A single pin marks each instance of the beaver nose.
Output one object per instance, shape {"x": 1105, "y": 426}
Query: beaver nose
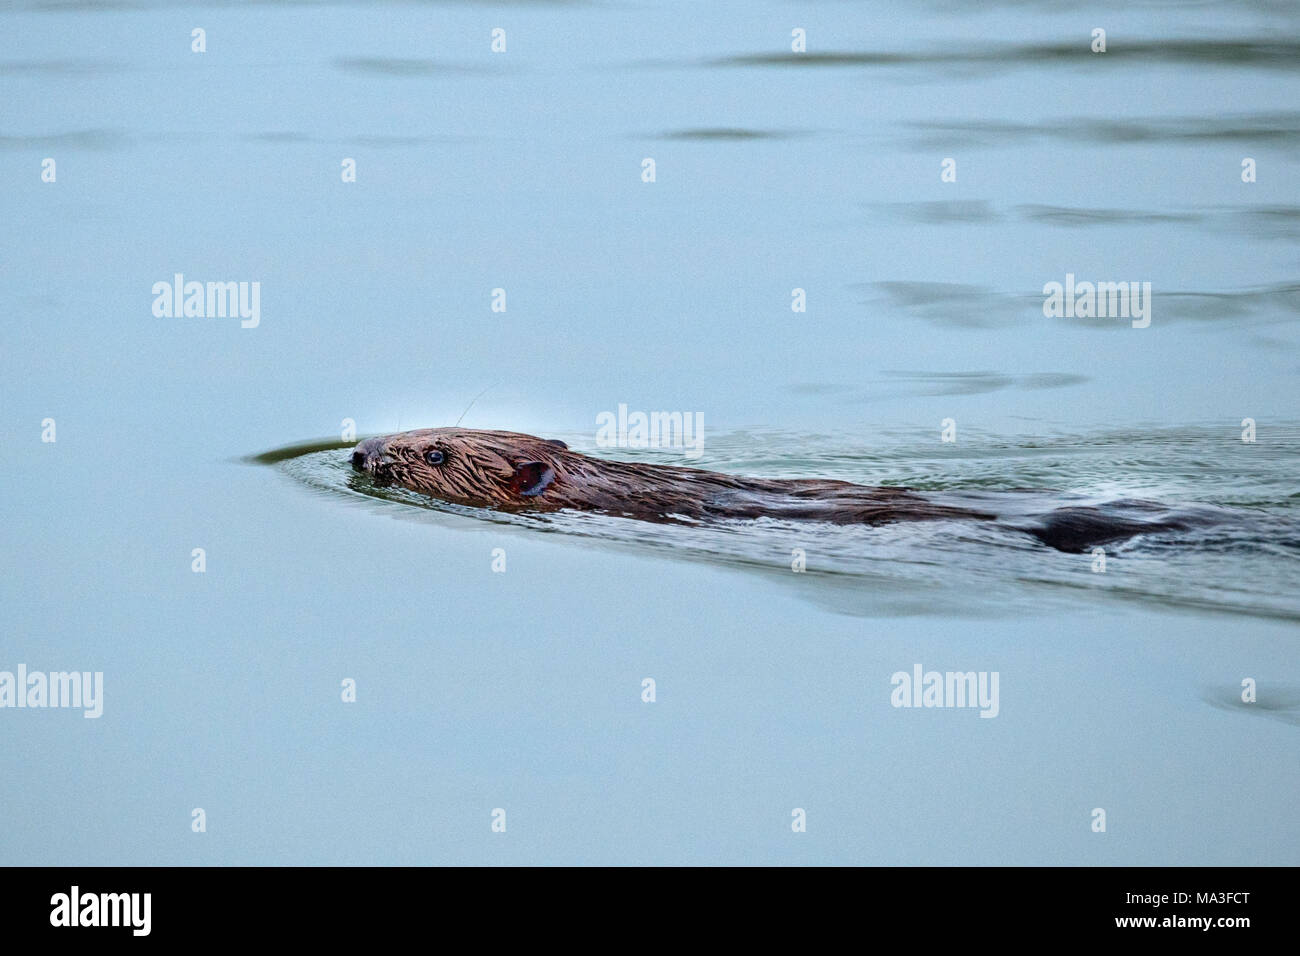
{"x": 366, "y": 453}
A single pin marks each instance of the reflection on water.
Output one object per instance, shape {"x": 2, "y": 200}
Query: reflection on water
{"x": 1246, "y": 128}
{"x": 894, "y": 382}
{"x": 977, "y": 383}
{"x": 725, "y": 134}
{"x": 395, "y": 66}
{"x": 1242, "y": 553}
{"x": 955, "y": 304}
{"x": 92, "y": 139}
{"x": 937, "y": 212}
{"x": 958, "y": 305}
{"x": 1268, "y": 222}
{"x": 1070, "y": 216}
{"x": 1279, "y": 303}
{"x": 1280, "y": 702}
{"x": 1260, "y": 222}
{"x": 1252, "y": 54}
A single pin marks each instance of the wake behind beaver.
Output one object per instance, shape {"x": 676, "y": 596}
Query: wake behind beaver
{"x": 510, "y": 471}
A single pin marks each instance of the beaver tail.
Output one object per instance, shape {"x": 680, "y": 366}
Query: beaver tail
{"x": 1075, "y": 530}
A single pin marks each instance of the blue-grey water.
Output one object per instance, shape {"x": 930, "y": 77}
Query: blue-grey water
{"x": 522, "y": 170}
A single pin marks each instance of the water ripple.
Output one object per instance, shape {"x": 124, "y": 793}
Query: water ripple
{"x": 1245, "y": 560}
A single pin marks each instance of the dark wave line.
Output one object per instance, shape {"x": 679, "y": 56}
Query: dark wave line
{"x": 1245, "y": 53}
{"x": 955, "y": 305}
{"x": 1251, "y": 128}
{"x": 1267, "y": 222}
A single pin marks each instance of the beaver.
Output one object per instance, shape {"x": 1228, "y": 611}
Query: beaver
{"x": 510, "y": 471}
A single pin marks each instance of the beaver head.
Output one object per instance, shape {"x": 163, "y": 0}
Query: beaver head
{"x": 464, "y": 465}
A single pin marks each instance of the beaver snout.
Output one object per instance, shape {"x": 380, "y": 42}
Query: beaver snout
{"x": 369, "y": 457}
{"x": 365, "y": 452}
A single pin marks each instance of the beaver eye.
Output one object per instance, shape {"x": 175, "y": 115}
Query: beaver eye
{"x": 434, "y": 457}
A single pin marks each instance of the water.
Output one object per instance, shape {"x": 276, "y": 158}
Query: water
{"x": 1241, "y": 553}
{"x": 522, "y": 171}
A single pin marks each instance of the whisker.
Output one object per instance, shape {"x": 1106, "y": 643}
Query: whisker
{"x": 471, "y": 405}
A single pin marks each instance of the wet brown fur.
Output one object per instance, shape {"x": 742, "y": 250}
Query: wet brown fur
{"x": 493, "y": 469}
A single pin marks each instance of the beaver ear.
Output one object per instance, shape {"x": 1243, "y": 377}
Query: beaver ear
{"x": 556, "y": 442}
{"x": 531, "y": 478}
